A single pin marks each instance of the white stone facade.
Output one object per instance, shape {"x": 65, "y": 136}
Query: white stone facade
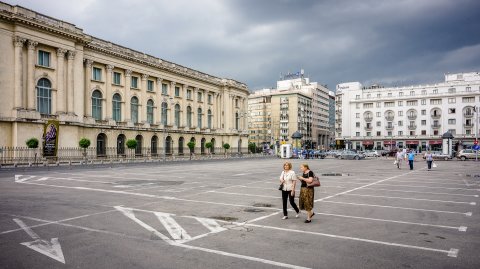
{"x": 51, "y": 69}
{"x": 410, "y": 116}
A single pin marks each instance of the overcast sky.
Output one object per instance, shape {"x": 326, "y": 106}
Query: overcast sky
{"x": 398, "y": 42}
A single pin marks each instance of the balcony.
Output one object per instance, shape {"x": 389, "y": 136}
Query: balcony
{"x": 436, "y": 126}
{"x": 389, "y": 117}
{"x": 412, "y": 127}
{"x": 389, "y": 127}
{"x": 368, "y": 119}
{"x": 468, "y": 125}
{"x": 368, "y": 128}
{"x": 468, "y": 115}
{"x": 412, "y": 117}
{"x": 436, "y": 116}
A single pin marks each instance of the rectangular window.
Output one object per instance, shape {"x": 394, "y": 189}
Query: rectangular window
{"x": 412, "y": 133}
{"x": 357, "y": 134}
{"x": 379, "y": 95}
{"x": 424, "y": 112}
{"x": 412, "y": 93}
{"x": 389, "y": 104}
{"x": 150, "y": 85}
{"x": 452, "y": 131}
{"x": 435, "y": 91}
{"x": 134, "y": 82}
{"x": 43, "y": 58}
{"x": 424, "y": 122}
{"x": 451, "y": 100}
{"x": 189, "y": 94}
{"x": 379, "y": 104}
{"x": 379, "y": 123}
{"x": 424, "y": 92}
{"x": 379, "y": 133}
{"x": 389, "y": 94}
{"x": 424, "y": 101}
{"x": 199, "y": 97}
{"x": 400, "y": 113}
{"x": 400, "y": 133}
{"x": 451, "y": 121}
{"x": 468, "y": 89}
{"x": 177, "y": 91}
{"x": 357, "y": 105}
{"x": 357, "y": 115}
{"x": 400, "y": 103}
{"x": 357, "y": 97}
{"x": 116, "y": 78}
{"x": 412, "y": 103}
{"x": 368, "y": 105}
{"x": 424, "y": 132}
{"x": 389, "y": 133}
{"x": 209, "y": 99}
{"x": 357, "y": 124}
{"x": 451, "y": 111}
{"x": 369, "y": 133}
{"x": 436, "y": 101}
{"x": 400, "y": 123}
{"x": 400, "y": 94}
{"x": 452, "y": 90}
{"x": 379, "y": 114}
{"x": 164, "y": 89}
{"x": 97, "y": 74}
{"x": 468, "y": 99}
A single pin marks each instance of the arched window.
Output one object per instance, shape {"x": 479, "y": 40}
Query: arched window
{"x": 239, "y": 145}
{"x": 168, "y": 145}
{"x": 189, "y": 117}
{"x": 121, "y": 144}
{"x": 101, "y": 145}
{"x": 192, "y": 140}
{"x": 154, "y": 145}
{"x": 199, "y": 123}
{"x": 134, "y": 109}
{"x": 237, "y": 120}
{"x": 117, "y": 107}
{"x": 164, "y": 113}
{"x": 138, "y": 149}
{"x": 209, "y": 119}
{"x": 177, "y": 115}
{"x": 202, "y": 146}
{"x": 181, "y": 140}
{"x": 150, "y": 111}
{"x": 44, "y": 96}
{"x": 97, "y": 105}
{"x": 213, "y": 146}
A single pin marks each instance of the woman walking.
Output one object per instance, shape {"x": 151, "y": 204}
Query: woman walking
{"x": 429, "y": 159}
{"x": 288, "y": 181}
{"x": 398, "y": 158}
{"x": 306, "y": 193}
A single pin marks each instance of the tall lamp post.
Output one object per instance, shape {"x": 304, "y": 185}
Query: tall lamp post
{"x": 165, "y": 120}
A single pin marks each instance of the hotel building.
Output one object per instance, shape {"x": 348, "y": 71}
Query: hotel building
{"x": 407, "y": 117}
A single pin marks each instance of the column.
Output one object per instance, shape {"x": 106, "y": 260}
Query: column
{"x": 108, "y": 92}
{"x": 158, "y": 102}
{"x": 245, "y": 113}
{"x": 126, "y": 94}
{"x": 143, "y": 95}
{"x": 195, "y": 108}
{"x": 170, "y": 104}
{"x": 70, "y": 96}
{"x": 18, "y": 81}
{"x": 31, "y": 75}
{"x": 183, "y": 107}
{"x": 88, "y": 88}
{"x": 61, "y": 102}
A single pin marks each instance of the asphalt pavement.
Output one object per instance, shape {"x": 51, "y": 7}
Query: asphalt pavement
{"x": 227, "y": 214}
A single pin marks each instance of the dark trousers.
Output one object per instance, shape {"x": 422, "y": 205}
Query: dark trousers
{"x": 410, "y": 162}
{"x": 429, "y": 163}
{"x": 286, "y": 195}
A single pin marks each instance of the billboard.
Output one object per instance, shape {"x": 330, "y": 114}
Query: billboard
{"x": 50, "y": 138}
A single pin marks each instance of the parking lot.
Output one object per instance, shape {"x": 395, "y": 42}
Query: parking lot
{"x": 227, "y": 214}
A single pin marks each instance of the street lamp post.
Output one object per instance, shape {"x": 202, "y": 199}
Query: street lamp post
{"x": 170, "y": 99}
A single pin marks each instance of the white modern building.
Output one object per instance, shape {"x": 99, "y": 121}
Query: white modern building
{"x": 409, "y": 116}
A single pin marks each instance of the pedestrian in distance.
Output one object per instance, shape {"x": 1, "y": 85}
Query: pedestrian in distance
{"x": 411, "y": 158}
{"x": 398, "y": 158}
{"x": 429, "y": 159}
{"x": 288, "y": 180}
{"x": 306, "y": 192}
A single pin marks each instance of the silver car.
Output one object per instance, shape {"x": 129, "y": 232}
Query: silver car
{"x": 351, "y": 155}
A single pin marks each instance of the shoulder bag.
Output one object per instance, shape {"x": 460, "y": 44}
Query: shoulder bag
{"x": 315, "y": 182}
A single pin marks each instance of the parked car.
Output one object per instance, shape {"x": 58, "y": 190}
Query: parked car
{"x": 389, "y": 153}
{"x": 351, "y": 155}
{"x": 466, "y": 154}
{"x": 441, "y": 156}
{"x": 371, "y": 153}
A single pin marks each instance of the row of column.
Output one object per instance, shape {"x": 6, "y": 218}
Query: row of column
{"x": 25, "y": 96}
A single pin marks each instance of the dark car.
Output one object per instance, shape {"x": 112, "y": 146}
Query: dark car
{"x": 389, "y": 153}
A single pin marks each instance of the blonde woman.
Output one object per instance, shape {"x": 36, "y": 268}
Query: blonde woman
{"x": 288, "y": 180}
{"x": 306, "y": 193}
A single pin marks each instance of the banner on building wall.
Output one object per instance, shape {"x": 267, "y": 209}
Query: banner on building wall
{"x": 50, "y": 138}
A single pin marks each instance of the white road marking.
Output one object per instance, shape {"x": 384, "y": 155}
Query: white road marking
{"x": 407, "y": 198}
{"x": 243, "y": 174}
{"x": 245, "y": 194}
{"x": 429, "y": 187}
{"x": 22, "y": 178}
{"x": 173, "y": 228}
{"x": 211, "y": 224}
{"x": 405, "y": 208}
{"x": 424, "y": 192}
{"x": 50, "y": 249}
{"x": 361, "y": 187}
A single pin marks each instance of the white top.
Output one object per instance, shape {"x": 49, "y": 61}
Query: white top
{"x": 399, "y": 155}
{"x": 289, "y": 178}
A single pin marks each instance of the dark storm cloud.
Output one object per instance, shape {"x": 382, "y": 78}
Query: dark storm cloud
{"x": 387, "y": 42}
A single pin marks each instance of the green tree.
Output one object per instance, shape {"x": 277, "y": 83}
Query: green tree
{"x": 226, "y": 146}
{"x": 131, "y": 143}
{"x": 32, "y": 143}
{"x": 84, "y": 143}
{"x": 252, "y": 147}
{"x": 209, "y": 146}
{"x": 191, "y": 146}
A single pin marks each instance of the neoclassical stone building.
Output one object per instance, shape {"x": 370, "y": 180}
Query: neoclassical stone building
{"x": 51, "y": 69}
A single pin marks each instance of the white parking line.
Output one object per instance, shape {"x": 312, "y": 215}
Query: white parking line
{"x": 423, "y": 192}
{"x": 246, "y": 194}
{"x": 429, "y": 187}
{"x": 469, "y": 214}
{"x": 415, "y": 199}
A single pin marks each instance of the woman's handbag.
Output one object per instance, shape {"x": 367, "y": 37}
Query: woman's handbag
{"x": 434, "y": 165}
{"x": 315, "y": 182}
{"x": 281, "y": 187}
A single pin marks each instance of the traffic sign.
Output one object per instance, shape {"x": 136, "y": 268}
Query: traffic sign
{"x": 476, "y": 147}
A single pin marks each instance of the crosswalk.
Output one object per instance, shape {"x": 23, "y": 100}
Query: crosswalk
{"x": 176, "y": 233}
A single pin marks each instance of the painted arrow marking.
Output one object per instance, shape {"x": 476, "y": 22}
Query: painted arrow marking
{"x": 51, "y": 249}
{"x": 22, "y": 178}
